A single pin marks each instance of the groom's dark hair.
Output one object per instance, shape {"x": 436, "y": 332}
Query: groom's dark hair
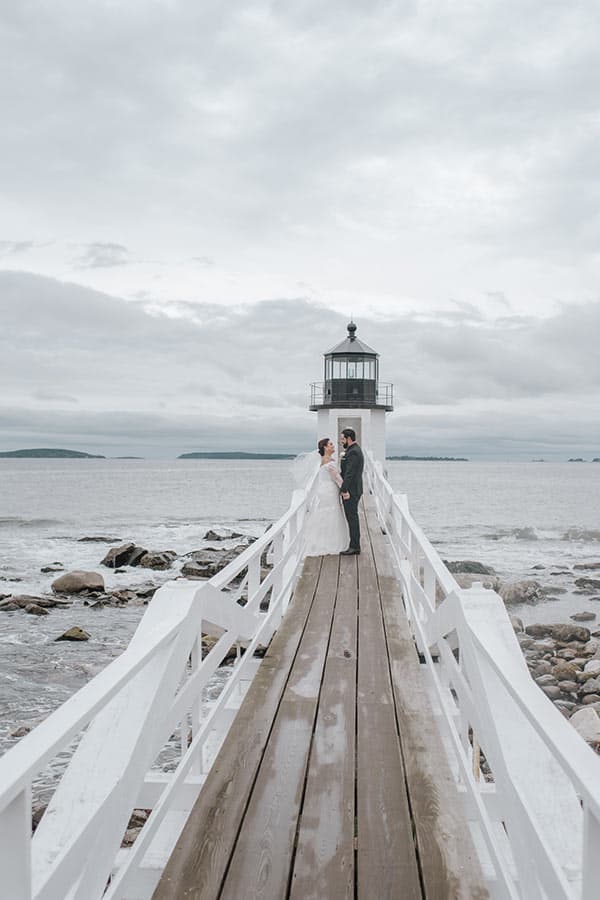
{"x": 349, "y": 432}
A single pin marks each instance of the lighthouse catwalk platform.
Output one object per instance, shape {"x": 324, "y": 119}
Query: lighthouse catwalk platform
{"x": 378, "y": 736}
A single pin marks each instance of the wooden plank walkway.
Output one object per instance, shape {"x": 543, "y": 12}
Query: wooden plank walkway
{"x": 332, "y": 783}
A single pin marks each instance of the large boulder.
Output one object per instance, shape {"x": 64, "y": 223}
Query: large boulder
{"x": 76, "y": 582}
{"x": 128, "y": 554}
{"x": 163, "y": 560}
{"x": 522, "y": 592}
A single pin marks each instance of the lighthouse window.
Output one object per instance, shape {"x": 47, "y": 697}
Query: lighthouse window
{"x": 337, "y": 368}
{"x": 328, "y": 369}
{"x": 352, "y": 370}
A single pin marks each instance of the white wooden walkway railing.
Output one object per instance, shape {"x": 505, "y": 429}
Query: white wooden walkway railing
{"x": 536, "y": 818}
{"x": 124, "y": 717}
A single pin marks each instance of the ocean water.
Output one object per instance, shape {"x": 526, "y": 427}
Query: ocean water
{"x": 512, "y": 516}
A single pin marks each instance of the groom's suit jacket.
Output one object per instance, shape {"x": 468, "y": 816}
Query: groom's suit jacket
{"x": 352, "y": 469}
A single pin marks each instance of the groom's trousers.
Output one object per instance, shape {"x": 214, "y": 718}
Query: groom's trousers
{"x": 351, "y": 511}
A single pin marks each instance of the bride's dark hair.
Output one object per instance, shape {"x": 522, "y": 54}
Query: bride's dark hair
{"x": 321, "y": 446}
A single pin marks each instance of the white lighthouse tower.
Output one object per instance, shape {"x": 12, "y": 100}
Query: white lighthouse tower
{"x": 351, "y": 395}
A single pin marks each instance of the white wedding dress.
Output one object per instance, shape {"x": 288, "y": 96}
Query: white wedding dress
{"x": 327, "y": 528}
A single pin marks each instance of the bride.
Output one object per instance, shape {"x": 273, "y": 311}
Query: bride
{"x": 327, "y": 528}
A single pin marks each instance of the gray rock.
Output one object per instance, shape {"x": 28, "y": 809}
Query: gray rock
{"x": 569, "y": 687}
{"x": 206, "y": 563}
{"x": 127, "y": 554}
{"x": 469, "y": 567}
{"x": 76, "y": 582}
{"x": 592, "y": 686}
{"x": 588, "y": 584}
{"x": 568, "y": 633}
{"x": 222, "y": 535}
{"x": 522, "y": 592}
{"x": 136, "y": 556}
{"x": 583, "y": 617}
{"x": 545, "y": 679}
{"x": 74, "y": 634}
{"x": 590, "y": 699}
{"x": 588, "y": 566}
{"x": 57, "y": 567}
{"x": 160, "y": 561}
{"x": 99, "y": 539}
{"x": 587, "y": 723}
{"x": 552, "y": 691}
{"x": 517, "y": 624}
{"x": 34, "y": 610}
{"x": 565, "y": 671}
{"x": 538, "y": 630}
{"x": 464, "y": 580}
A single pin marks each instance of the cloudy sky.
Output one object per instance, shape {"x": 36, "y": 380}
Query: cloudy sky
{"x": 194, "y": 197}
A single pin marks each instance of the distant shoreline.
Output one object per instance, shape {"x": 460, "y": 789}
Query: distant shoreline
{"x": 236, "y": 455}
{"x": 48, "y": 453}
{"x": 429, "y": 458}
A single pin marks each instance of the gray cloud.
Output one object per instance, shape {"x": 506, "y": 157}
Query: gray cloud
{"x": 197, "y": 376}
{"x": 14, "y": 248}
{"x": 359, "y": 140}
{"x": 100, "y": 255}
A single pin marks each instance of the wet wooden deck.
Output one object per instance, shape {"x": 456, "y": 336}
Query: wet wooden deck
{"x": 332, "y": 782}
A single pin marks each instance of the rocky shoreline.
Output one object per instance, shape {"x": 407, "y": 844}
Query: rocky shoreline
{"x": 89, "y": 586}
{"x": 563, "y": 659}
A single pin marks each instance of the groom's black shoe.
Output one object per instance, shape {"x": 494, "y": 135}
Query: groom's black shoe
{"x": 351, "y": 551}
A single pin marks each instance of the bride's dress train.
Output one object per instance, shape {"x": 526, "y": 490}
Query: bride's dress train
{"x": 327, "y": 528}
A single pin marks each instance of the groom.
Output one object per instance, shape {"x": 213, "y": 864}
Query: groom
{"x": 352, "y": 488}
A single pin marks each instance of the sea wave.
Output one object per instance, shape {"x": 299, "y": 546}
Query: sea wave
{"x": 581, "y": 535}
{"x": 18, "y": 522}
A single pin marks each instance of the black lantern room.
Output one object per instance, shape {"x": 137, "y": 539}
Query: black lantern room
{"x": 351, "y": 378}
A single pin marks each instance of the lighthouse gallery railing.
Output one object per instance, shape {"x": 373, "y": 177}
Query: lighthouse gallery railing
{"x": 535, "y": 813}
{"x": 122, "y": 719}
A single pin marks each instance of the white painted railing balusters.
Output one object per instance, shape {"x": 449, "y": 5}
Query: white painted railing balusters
{"x": 591, "y": 854}
{"x": 153, "y": 690}
{"x": 196, "y": 708}
{"x": 15, "y": 846}
{"x": 543, "y": 841}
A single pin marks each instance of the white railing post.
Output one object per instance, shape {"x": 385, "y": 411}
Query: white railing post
{"x": 591, "y": 855}
{"x": 15, "y": 847}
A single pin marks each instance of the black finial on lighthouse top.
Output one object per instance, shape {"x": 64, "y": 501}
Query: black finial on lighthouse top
{"x": 352, "y": 344}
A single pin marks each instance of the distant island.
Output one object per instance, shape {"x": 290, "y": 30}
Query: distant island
{"x": 48, "y": 453}
{"x": 430, "y": 458}
{"x": 236, "y": 455}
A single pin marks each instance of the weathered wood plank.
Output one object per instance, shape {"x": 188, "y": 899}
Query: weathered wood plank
{"x": 261, "y": 861}
{"x": 450, "y": 868}
{"x": 386, "y": 860}
{"x": 324, "y": 861}
{"x": 200, "y": 858}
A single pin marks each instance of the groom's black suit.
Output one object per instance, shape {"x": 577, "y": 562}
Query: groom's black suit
{"x": 352, "y": 470}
